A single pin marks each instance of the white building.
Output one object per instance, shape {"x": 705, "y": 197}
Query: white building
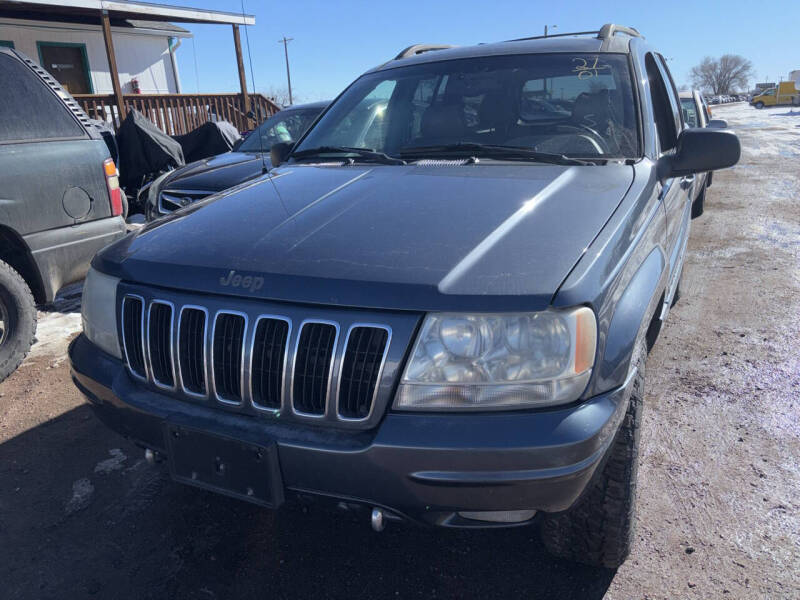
{"x": 795, "y": 76}
{"x": 73, "y": 51}
{"x": 119, "y": 55}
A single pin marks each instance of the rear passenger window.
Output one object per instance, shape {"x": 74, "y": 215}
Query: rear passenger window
{"x": 662, "y": 110}
{"x": 28, "y": 108}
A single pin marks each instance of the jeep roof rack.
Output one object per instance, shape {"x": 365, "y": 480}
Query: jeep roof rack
{"x": 420, "y": 49}
{"x": 606, "y": 32}
{"x": 610, "y": 29}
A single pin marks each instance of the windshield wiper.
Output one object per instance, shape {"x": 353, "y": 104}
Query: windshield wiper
{"x": 367, "y": 153}
{"x": 493, "y": 151}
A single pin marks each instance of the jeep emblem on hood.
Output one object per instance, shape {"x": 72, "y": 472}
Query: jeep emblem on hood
{"x": 246, "y": 282}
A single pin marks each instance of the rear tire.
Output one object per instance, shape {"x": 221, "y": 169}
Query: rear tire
{"x": 17, "y": 320}
{"x": 598, "y": 530}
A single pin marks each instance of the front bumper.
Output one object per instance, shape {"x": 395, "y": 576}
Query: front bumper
{"x": 423, "y": 467}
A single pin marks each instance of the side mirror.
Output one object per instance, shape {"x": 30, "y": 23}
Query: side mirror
{"x": 279, "y": 152}
{"x": 700, "y": 150}
{"x": 717, "y": 124}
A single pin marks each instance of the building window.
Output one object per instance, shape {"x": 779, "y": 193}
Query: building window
{"x": 7, "y": 43}
{"x": 68, "y": 64}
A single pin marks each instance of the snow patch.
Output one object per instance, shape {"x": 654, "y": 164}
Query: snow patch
{"x": 57, "y": 324}
{"x": 765, "y": 132}
{"x": 111, "y": 464}
{"x": 82, "y": 491}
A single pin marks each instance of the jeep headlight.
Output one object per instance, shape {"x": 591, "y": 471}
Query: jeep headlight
{"x": 499, "y": 361}
{"x": 99, "y": 313}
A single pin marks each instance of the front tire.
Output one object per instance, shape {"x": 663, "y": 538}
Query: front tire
{"x": 759, "y": 105}
{"x": 699, "y": 203}
{"x": 598, "y": 530}
{"x": 17, "y": 320}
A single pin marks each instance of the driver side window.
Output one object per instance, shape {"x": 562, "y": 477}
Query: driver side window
{"x": 662, "y": 109}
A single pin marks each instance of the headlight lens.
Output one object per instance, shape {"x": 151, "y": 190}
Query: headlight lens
{"x": 502, "y": 361}
{"x": 98, "y": 311}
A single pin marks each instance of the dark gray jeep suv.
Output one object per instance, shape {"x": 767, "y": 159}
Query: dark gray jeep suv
{"x": 442, "y": 315}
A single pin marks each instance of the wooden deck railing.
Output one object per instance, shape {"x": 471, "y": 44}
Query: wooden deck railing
{"x": 176, "y": 114}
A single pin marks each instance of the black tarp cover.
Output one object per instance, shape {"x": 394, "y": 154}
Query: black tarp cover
{"x": 207, "y": 140}
{"x": 109, "y": 137}
{"x": 144, "y": 150}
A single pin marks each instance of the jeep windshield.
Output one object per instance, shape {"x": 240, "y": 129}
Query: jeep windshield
{"x": 551, "y": 108}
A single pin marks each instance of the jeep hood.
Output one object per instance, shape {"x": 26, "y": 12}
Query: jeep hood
{"x": 215, "y": 173}
{"x": 472, "y": 237}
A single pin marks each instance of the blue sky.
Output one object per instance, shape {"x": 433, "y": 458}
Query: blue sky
{"x": 337, "y": 40}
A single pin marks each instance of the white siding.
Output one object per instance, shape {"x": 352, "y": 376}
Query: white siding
{"x": 144, "y": 56}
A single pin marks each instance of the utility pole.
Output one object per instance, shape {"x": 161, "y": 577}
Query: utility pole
{"x": 285, "y": 41}
{"x": 544, "y": 86}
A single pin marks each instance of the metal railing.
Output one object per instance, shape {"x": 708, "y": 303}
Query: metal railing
{"x": 176, "y": 114}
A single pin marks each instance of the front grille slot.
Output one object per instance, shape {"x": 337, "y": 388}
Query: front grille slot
{"x": 269, "y": 351}
{"x": 363, "y": 359}
{"x": 191, "y": 350}
{"x": 227, "y": 356}
{"x": 132, "y": 312}
{"x": 312, "y": 365}
{"x": 159, "y": 340}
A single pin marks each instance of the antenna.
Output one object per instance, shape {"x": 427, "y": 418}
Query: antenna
{"x": 253, "y": 83}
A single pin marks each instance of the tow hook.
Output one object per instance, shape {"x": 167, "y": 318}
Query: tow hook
{"x": 152, "y": 457}
{"x": 378, "y": 519}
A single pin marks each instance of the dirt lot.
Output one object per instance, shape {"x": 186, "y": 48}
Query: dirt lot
{"x": 82, "y": 515}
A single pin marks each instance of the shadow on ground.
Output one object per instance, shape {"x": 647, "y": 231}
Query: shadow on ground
{"x": 81, "y": 515}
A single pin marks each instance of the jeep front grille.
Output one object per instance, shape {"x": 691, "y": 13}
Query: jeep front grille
{"x": 251, "y": 362}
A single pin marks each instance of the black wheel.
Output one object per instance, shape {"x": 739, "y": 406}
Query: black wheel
{"x": 699, "y": 203}
{"x": 599, "y": 529}
{"x": 759, "y": 105}
{"x": 676, "y": 295}
{"x": 17, "y": 320}
{"x": 709, "y": 179}
{"x": 125, "y": 206}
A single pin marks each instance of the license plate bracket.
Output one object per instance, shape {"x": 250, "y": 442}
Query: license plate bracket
{"x": 233, "y": 467}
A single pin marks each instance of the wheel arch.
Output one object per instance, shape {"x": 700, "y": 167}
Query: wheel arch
{"x": 15, "y": 252}
{"x": 636, "y": 310}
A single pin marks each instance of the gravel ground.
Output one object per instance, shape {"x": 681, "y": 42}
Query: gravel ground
{"x": 82, "y": 515}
